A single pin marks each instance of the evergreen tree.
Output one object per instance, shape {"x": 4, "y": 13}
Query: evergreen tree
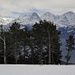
{"x": 15, "y": 30}
{"x": 47, "y": 38}
{"x": 69, "y": 48}
{"x": 25, "y": 35}
{"x": 41, "y": 45}
{"x": 1, "y": 52}
{"x": 3, "y": 39}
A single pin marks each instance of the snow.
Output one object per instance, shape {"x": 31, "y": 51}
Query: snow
{"x": 7, "y": 20}
{"x": 2, "y": 21}
{"x": 48, "y": 16}
{"x": 28, "y": 19}
{"x": 63, "y": 20}
{"x": 70, "y": 31}
{"x": 70, "y": 16}
{"x": 37, "y": 70}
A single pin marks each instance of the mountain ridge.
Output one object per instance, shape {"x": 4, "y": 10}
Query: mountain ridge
{"x": 65, "y": 19}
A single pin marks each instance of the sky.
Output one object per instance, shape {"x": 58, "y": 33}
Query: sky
{"x": 37, "y": 70}
{"x": 13, "y": 8}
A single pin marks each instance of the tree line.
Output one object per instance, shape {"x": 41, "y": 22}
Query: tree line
{"x": 40, "y": 45}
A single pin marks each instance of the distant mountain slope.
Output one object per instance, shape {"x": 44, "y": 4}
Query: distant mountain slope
{"x": 28, "y": 19}
{"x": 63, "y": 20}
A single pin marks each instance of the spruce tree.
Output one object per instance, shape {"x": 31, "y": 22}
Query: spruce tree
{"x": 14, "y": 30}
{"x": 47, "y": 38}
{"x": 25, "y": 35}
{"x": 69, "y": 48}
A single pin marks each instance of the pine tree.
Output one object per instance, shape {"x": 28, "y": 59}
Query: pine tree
{"x": 25, "y": 35}
{"x": 1, "y": 52}
{"x": 14, "y": 30}
{"x": 41, "y": 45}
{"x": 3, "y": 38}
{"x": 47, "y": 38}
{"x": 69, "y": 48}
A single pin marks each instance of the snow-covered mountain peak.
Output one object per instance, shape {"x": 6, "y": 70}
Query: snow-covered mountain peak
{"x": 48, "y": 14}
{"x": 28, "y": 19}
{"x": 69, "y": 13}
{"x": 8, "y": 20}
{"x": 35, "y": 16}
{"x": 70, "y": 17}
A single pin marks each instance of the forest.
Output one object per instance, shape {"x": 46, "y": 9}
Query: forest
{"x": 39, "y": 45}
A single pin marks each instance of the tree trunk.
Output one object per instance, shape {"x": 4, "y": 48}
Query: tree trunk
{"x": 49, "y": 47}
{"x": 15, "y": 50}
{"x": 40, "y": 55}
{"x": 4, "y": 50}
{"x": 52, "y": 58}
{"x": 40, "y": 58}
{"x": 32, "y": 55}
{"x": 68, "y": 58}
{"x": 24, "y": 48}
{"x": 15, "y": 54}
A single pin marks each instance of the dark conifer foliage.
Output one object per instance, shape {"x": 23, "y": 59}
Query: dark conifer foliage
{"x": 69, "y": 47}
{"x": 41, "y": 45}
{"x": 47, "y": 40}
{"x": 1, "y": 52}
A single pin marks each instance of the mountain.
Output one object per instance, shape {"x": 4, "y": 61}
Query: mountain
{"x": 2, "y": 21}
{"x": 7, "y": 20}
{"x": 70, "y": 16}
{"x": 28, "y": 19}
{"x": 64, "y": 20}
{"x": 48, "y": 16}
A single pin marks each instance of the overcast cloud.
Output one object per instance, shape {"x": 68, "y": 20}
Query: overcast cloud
{"x": 15, "y": 7}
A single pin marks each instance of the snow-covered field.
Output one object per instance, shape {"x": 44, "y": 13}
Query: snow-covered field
{"x": 36, "y": 70}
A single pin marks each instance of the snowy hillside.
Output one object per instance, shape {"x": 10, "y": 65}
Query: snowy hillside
{"x": 7, "y": 20}
{"x": 2, "y": 21}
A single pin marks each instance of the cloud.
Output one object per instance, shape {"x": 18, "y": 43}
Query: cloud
{"x": 23, "y": 6}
